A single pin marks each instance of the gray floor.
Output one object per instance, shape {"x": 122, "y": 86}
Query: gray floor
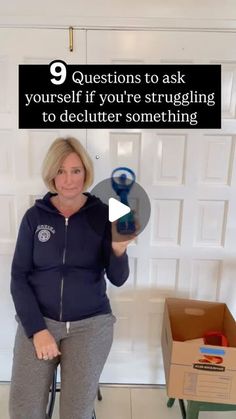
{"x": 127, "y": 403}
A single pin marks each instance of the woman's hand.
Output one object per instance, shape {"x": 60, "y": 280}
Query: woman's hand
{"x": 121, "y": 241}
{"x": 45, "y": 345}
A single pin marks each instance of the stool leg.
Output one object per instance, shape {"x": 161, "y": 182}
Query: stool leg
{"x": 170, "y": 402}
{"x": 52, "y": 396}
{"x": 192, "y": 410}
{"x": 99, "y": 394}
{"x": 182, "y": 408}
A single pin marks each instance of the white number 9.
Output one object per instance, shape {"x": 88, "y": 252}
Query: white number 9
{"x": 58, "y": 69}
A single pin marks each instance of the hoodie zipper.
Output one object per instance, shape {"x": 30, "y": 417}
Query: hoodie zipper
{"x": 63, "y": 262}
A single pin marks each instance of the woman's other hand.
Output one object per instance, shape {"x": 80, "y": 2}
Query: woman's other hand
{"x": 121, "y": 241}
{"x": 45, "y": 345}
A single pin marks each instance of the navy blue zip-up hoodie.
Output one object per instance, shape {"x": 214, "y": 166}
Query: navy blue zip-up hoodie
{"x": 59, "y": 264}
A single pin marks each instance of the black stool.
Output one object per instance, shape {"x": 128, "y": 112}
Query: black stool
{"x": 195, "y": 407}
{"x": 52, "y": 397}
{"x": 181, "y": 405}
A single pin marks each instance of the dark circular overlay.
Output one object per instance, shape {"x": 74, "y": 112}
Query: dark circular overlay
{"x": 139, "y": 203}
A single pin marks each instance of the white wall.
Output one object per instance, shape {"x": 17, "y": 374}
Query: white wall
{"x": 149, "y": 13}
{"x": 213, "y": 9}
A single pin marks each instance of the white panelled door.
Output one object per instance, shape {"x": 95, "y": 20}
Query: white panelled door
{"x": 188, "y": 248}
{"x": 22, "y": 152}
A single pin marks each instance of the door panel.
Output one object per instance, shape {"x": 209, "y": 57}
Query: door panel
{"x": 187, "y": 248}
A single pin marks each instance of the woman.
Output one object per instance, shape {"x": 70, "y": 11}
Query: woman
{"x": 64, "y": 247}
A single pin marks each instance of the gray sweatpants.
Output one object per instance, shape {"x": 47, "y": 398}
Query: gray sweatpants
{"x": 84, "y": 349}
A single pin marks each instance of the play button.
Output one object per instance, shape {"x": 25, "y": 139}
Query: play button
{"x": 117, "y": 209}
{"x": 130, "y": 213}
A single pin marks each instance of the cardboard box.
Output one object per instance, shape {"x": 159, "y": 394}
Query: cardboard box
{"x": 195, "y": 371}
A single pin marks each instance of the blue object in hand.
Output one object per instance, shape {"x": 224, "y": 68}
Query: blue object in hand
{"x": 122, "y": 186}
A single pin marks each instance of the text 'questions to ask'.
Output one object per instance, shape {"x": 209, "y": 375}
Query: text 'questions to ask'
{"x": 119, "y": 96}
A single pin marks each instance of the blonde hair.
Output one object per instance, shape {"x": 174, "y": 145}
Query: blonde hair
{"x": 57, "y": 152}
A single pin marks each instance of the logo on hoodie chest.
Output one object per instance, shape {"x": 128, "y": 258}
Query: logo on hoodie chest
{"x": 44, "y": 232}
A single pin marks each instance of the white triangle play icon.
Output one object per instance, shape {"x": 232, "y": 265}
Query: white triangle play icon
{"x": 117, "y": 209}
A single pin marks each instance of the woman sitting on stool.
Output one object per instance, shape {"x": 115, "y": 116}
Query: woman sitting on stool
{"x": 64, "y": 247}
